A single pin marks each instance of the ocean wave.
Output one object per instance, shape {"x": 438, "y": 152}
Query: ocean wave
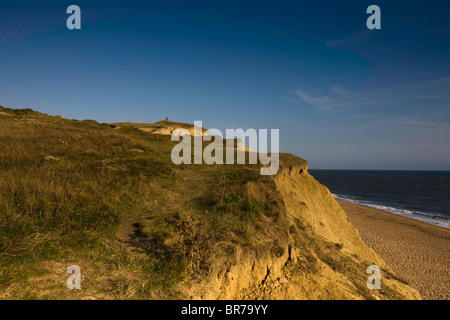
{"x": 427, "y": 217}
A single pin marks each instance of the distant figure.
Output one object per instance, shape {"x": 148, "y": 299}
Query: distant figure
{"x": 167, "y": 119}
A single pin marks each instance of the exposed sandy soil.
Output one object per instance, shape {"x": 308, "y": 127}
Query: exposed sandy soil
{"x": 415, "y": 251}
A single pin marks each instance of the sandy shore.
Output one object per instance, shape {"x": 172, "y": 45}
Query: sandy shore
{"x": 415, "y": 251}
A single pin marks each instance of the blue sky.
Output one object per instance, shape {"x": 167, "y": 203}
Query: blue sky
{"x": 343, "y": 96}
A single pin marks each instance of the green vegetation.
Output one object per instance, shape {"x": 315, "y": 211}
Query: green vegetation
{"x": 67, "y": 187}
{"x": 109, "y": 199}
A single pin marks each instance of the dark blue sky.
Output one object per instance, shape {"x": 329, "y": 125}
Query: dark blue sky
{"x": 342, "y": 96}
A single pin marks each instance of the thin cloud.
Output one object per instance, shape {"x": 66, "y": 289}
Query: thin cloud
{"x": 350, "y": 38}
{"x": 321, "y": 103}
{"x": 432, "y": 93}
{"x": 417, "y": 121}
{"x": 338, "y": 98}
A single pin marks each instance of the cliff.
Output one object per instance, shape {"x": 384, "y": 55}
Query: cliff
{"x": 309, "y": 251}
{"x": 107, "y": 197}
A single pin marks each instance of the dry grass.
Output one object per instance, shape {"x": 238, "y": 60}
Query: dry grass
{"x": 66, "y": 186}
{"x": 109, "y": 200}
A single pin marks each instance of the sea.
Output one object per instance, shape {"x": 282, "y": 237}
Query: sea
{"x": 421, "y": 195}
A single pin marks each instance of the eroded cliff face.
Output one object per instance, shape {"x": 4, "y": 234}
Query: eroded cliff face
{"x": 164, "y": 127}
{"x": 311, "y": 252}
